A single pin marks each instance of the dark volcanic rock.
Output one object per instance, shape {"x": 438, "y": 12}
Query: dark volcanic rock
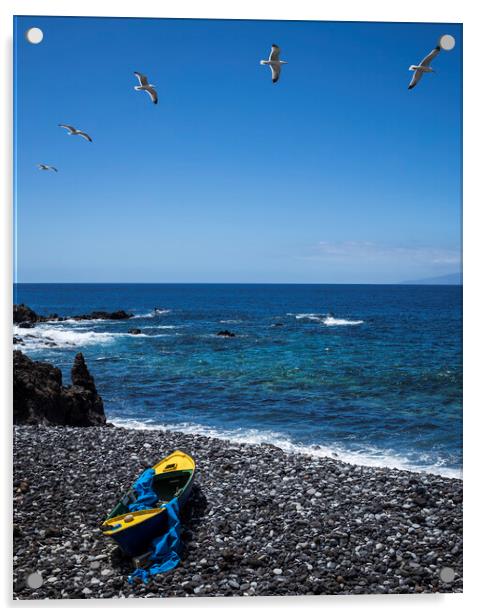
{"x": 26, "y": 324}
{"x": 40, "y": 398}
{"x": 135, "y": 331}
{"x": 36, "y": 391}
{"x": 309, "y": 530}
{"x": 118, "y": 315}
{"x": 24, "y": 314}
{"x": 26, "y": 317}
{"x": 80, "y": 374}
{"x": 225, "y": 333}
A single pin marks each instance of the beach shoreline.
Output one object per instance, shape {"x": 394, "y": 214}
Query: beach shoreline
{"x": 260, "y": 521}
{"x": 257, "y": 437}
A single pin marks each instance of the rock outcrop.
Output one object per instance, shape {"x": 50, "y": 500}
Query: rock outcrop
{"x": 24, "y": 316}
{"x": 40, "y": 398}
{"x": 118, "y": 315}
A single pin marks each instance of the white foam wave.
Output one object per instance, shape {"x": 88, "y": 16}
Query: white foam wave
{"x": 369, "y": 457}
{"x": 78, "y": 322}
{"x": 326, "y": 319}
{"x": 42, "y": 337}
{"x": 331, "y": 321}
{"x": 230, "y": 321}
{"x": 308, "y": 316}
{"x": 152, "y": 313}
{"x": 162, "y": 327}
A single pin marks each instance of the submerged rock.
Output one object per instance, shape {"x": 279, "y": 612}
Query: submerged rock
{"x": 26, "y": 325}
{"x": 134, "y": 331}
{"x": 40, "y": 398}
{"x": 225, "y": 333}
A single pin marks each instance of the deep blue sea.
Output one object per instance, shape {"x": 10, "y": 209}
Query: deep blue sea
{"x": 369, "y": 373}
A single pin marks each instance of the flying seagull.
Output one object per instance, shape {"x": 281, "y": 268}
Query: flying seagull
{"x": 423, "y": 67}
{"x": 43, "y": 167}
{"x": 274, "y": 62}
{"x": 145, "y": 86}
{"x": 74, "y": 131}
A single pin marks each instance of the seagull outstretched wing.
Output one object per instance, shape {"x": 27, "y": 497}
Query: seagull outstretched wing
{"x": 433, "y": 54}
{"x": 142, "y": 79}
{"x": 153, "y": 94}
{"x": 417, "y": 75}
{"x": 71, "y": 129}
{"x": 84, "y": 135}
{"x": 274, "y": 55}
{"x": 275, "y": 72}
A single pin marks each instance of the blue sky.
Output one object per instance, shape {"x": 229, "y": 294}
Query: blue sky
{"x": 338, "y": 173}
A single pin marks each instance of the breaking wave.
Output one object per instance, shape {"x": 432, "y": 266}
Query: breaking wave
{"x": 371, "y": 457}
{"x": 307, "y": 316}
{"x": 330, "y": 321}
{"x": 326, "y": 319}
{"x": 42, "y": 337}
{"x": 153, "y": 313}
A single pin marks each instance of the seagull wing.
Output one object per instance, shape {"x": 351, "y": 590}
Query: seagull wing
{"x": 275, "y": 51}
{"x": 142, "y": 79}
{"x": 153, "y": 94}
{"x": 417, "y": 75}
{"x": 275, "y": 72}
{"x": 71, "y": 129}
{"x": 54, "y": 169}
{"x": 84, "y": 135}
{"x": 433, "y": 54}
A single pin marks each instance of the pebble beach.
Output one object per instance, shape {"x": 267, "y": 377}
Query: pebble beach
{"x": 260, "y": 521}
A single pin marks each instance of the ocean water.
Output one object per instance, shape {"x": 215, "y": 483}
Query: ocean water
{"x": 370, "y": 374}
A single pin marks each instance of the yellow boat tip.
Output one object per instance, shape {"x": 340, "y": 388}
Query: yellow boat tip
{"x": 121, "y": 522}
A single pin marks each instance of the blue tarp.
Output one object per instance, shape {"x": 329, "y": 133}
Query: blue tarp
{"x": 165, "y": 549}
{"x": 146, "y": 497}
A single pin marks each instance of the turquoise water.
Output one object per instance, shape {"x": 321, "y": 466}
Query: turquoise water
{"x": 370, "y": 373}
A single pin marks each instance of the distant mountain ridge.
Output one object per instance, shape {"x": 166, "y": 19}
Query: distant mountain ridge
{"x": 455, "y": 279}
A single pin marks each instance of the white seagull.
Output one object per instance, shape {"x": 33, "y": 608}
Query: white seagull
{"x": 423, "y": 67}
{"x": 274, "y": 62}
{"x": 145, "y": 86}
{"x": 43, "y": 167}
{"x": 74, "y": 131}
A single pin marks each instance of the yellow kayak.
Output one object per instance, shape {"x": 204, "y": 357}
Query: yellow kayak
{"x": 133, "y": 530}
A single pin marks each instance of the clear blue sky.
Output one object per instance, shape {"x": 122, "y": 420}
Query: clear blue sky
{"x": 338, "y": 173}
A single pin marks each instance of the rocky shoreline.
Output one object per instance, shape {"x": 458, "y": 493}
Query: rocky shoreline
{"x": 25, "y": 317}
{"x": 39, "y": 396}
{"x": 260, "y": 521}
